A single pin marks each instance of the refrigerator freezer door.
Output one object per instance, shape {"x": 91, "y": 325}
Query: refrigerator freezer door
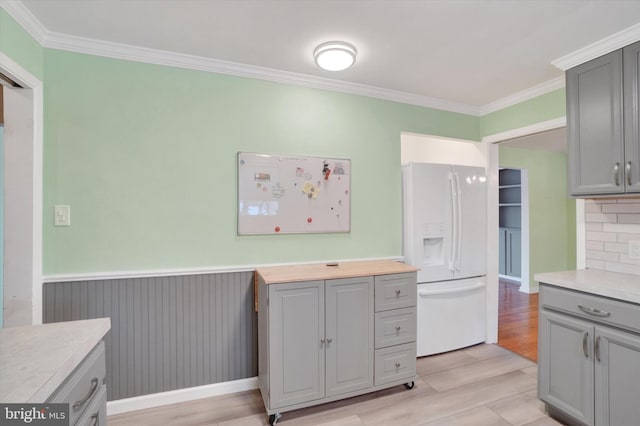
{"x": 471, "y": 247}
{"x": 451, "y": 315}
{"x": 428, "y": 211}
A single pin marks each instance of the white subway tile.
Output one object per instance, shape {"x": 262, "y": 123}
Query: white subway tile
{"x": 594, "y": 245}
{"x": 628, "y": 218}
{"x": 601, "y": 255}
{"x": 600, "y": 236}
{"x": 616, "y": 247}
{"x": 592, "y": 208}
{"x": 630, "y": 228}
{"x": 594, "y": 264}
{"x": 623, "y": 268}
{"x": 625, "y": 259}
{"x": 601, "y": 217}
{"x": 629, "y": 200}
{"x": 624, "y": 238}
{"x": 601, "y": 201}
{"x": 593, "y": 226}
{"x": 621, "y": 208}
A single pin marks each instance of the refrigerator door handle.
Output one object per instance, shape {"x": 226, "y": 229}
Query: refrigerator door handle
{"x": 458, "y": 224}
{"x": 454, "y": 224}
{"x": 475, "y": 286}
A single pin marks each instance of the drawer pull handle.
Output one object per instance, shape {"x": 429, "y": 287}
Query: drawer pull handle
{"x": 594, "y": 311}
{"x": 397, "y": 364}
{"x": 585, "y": 348}
{"x": 597, "y": 349}
{"x": 329, "y": 340}
{"x": 616, "y": 174}
{"x": 397, "y": 328}
{"x": 94, "y": 418}
{"x": 398, "y": 292}
{"x": 92, "y": 391}
{"x": 322, "y": 341}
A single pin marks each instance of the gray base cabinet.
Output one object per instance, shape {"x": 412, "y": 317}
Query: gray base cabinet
{"x": 325, "y": 340}
{"x": 589, "y": 357}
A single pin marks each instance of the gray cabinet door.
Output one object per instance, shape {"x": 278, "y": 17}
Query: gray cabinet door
{"x": 349, "y": 335}
{"x": 594, "y": 125}
{"x": 617, "y": 375}
{"x": 296, "y": 349}
{"x": 565, "y": 367}
{"x": 514, "y": 253}
{"x": 631, "y": 56}
{"x": 502, "y": 267}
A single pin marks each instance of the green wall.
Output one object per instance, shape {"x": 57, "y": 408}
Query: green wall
{"x": 552, "y": 214}
{"x": 145, "y": 156}
{"x": 542, "y": 108}
{"x": 20, "y": 46}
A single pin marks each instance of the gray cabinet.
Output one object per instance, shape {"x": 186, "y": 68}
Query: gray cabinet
{"x": 565, "y": 369}
{"x": 349, "y": 335}
{"x": 617, "y": 372}
{"x": 296, "y": 352}
{"x": 85, "y": 390}
{"x": 329, "y": 339}
{"x": 602, "y": 122}
{"x": 510, "y": 252}
{"x": 589, "y": 357}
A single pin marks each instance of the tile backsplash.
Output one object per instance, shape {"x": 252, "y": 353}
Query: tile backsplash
{"x": 609, "y": 225}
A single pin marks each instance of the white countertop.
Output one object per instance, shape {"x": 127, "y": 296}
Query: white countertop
{"x": 36, "y": 359}
{"x": 615, "y": 285}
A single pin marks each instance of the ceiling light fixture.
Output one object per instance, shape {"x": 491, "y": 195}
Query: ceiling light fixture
{"x": 335, "y": 55}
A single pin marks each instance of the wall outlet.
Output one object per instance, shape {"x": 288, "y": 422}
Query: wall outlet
{"x": 634, "y": 249}
{"x": 62, "y": 215}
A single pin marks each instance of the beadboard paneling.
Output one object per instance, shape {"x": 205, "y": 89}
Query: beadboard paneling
{"x": 166, "y": 333}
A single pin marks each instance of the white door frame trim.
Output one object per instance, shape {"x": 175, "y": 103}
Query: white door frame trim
{"x": 28, "y": 80}
{"x": 491, "y": 142}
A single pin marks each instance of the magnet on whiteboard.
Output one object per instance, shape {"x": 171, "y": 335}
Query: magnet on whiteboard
{"x": 277, "y": 229}
{"x": 309, "y": 220}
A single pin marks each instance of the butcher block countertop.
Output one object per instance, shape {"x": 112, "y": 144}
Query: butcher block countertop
{"x": 321, "y": 271}
{"x": 614, "y": 285}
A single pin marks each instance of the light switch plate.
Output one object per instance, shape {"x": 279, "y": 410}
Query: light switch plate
{"x": 634, "y": 249}
{"x": 62, "y": 215}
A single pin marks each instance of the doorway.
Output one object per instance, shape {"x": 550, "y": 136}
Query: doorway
{"x": 22, "y": 188}
{"x": 546, "y": 244}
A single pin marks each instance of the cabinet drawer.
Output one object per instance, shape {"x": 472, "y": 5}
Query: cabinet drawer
{"x": 395, "y": 327}
{"x": 596, "y": 308}
{"x": 83, "y": 384}
{"x": 395, "y": 291}
{"x": 395, "y": 363}
{"x": 96, "y": 413}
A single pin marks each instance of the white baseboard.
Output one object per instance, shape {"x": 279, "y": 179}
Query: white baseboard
{"x": 181, "y": 395}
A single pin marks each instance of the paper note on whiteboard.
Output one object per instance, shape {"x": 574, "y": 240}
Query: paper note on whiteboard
{"x": 279, "y": 194}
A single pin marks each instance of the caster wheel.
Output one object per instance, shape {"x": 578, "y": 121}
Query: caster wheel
{"x": 273, "y": 419}
{"x": 409, "y": 385}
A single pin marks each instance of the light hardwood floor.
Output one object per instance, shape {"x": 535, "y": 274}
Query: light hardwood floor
{"x": 476, "y": 386}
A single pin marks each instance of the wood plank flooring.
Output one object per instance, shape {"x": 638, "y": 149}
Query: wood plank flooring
{"x": 480, "y": 385}
{"x": 518, "y": 320}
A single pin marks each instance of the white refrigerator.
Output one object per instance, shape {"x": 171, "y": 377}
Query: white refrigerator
{"x": 445, "y": 212}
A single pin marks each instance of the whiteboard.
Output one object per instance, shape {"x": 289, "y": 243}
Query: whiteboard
{"x": 280, "y": 194}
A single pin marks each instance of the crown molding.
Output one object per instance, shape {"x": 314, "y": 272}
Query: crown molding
{"x": 180, "y": 60}
{"x": 23, "y": 16}
{"x": 599, "y": 48}
{"x": 532, "y": 129}
{"x": 524, "y": 95}
{"x": 59, "y": 41}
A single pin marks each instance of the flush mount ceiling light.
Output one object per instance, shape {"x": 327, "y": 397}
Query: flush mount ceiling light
{"x": 335, "y": 55}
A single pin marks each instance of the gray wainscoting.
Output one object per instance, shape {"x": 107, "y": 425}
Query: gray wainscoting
{"x": 166, "y": 333}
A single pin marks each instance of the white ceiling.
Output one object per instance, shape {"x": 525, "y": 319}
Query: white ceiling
{"x": 551, "y": 140}
{"x": 470, "y": 52}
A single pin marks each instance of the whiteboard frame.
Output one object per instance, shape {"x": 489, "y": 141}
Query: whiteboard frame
{"x": 314, "y": 157}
